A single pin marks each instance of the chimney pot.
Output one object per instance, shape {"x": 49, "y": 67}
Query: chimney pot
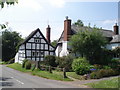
{"x": 116, "y": 29}
{"x": 67, "y": 29}
{"x": 48, "y": 29}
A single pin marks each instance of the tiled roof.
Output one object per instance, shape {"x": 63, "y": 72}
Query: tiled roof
{"x": 106, "y": 33}
{"x": 75, "y": 29}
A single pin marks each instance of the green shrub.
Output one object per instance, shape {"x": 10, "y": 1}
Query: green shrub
{"x": 97, "y": 66}
{"x": 95, "y": 75}
{"x": 50, "y": 60}
{"x": 115, "y": 64}
{"x": 65, "y": 62}
{"x": 28, "y": 65}
{"x": 81, "y": 66}
{"x": 23, "y": 64}
{"x": 103, "y": 73}
{"x": 106, "y": 67}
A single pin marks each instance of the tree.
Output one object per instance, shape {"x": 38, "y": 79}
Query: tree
{"x": 88, "y": 43}
{"x": 79, "y": 23}
{"x": 8, "y": 2}
{"x": 65, "y": 62}
{"x": 54, "y": 43}
{"x": 10, "y": 40}
{"x": 50, "y": 60}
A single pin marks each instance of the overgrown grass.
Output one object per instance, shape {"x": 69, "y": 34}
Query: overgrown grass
{"x": 111, "y": 83}
{"x": 74, "y": 75}
{"x": 3, "y": 63}
{"x": 36, "y": 72}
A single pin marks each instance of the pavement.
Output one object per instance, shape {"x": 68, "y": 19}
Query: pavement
{"x": 10, "y": 78}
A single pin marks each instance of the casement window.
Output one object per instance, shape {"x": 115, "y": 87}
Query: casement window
{"x": 37, "y": 53}
{"x": 37, "y": 40}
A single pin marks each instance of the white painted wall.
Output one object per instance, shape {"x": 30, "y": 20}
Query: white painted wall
{"x": 16, "y": 58}
{"x": 112, "y": 46}
{"x": 64, "y": 51}
{"x": 28, "y": 46}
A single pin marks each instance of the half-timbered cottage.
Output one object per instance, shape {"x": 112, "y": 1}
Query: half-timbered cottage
{"x": 35, "y": 47}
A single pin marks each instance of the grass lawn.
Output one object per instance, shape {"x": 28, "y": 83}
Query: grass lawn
{"x": 74, "y": 75}
{"x": 111, "y": 83}
{"x": 45, "y": 74}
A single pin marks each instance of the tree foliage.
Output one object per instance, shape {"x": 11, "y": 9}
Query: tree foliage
{"x": 10, "y": 41}
{"x": 54, "y": 43}
{"x": 50, "y": 60}
{"x": 8, "y": 2}
{"x": 79, "y": 23}
{"x": 65, "y": 62}
{"x": 81, "y": 66}
{"x": 88, "y": 43}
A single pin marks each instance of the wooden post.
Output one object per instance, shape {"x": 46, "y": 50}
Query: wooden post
{"x": 64, "y": 73}
{"x": 50, "y": 69}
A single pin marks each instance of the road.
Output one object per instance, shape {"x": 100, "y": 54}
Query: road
{"x": 15, "y": 79}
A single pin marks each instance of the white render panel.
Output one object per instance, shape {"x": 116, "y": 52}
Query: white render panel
{"x": 51, "y": 53}
{"x": 42, "y": 45}
{"x": 46, "y": 46}
{"x": 112, "y": 46}
{"x": 51, "y": 48}
{"x": 29, "y": 58}
{"x": 33, "y": 59}
{"x": 31, "y": 40}
{"x": 41, "y": 59}
{"x": 38, "y": 46}
{"x": 37, "y": 35}
{"x": 28, "y": 53}
{"x": 46, "y": 53}
{"x": 43, "y": 41}
{"x": 28, "y": 45}
{"x": 22, "y": 47}
{"x": 33, "y": 46}
{"x": 37, "y": 59}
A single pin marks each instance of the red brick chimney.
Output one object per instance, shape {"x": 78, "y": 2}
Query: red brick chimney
{"x": 67, "y": 29}
{"x": 48, "y": 33}
{"x": 116, "y": 29}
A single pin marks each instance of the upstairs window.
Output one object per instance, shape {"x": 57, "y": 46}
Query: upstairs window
{"x": 37, "y": 40}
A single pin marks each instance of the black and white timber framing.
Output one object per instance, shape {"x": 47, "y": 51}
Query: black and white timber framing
{"x": 35, "y": 47}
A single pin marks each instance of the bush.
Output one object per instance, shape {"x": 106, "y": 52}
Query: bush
{"x": 103, "y": 73}
{"x": 95, "y": 75}
{"x": 50, "y": 60}
{"x": 115, "y": 64}
{"x": 106, "y": 67}
{"x": 23, "y": 64}
{"x": 65, "y": 62}
{"x": 97, "y": 66}
{"x": 81, "y": 66}
{"x": 28, "y": 65}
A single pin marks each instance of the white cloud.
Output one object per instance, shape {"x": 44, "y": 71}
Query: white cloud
{"x": 109, "y": 21}
{"x": 57, "y": 3}
{"x": 30, "y": 4}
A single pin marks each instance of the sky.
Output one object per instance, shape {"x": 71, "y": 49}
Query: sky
{"x": 28, "y": 15}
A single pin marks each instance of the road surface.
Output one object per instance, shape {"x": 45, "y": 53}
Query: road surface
{"x": 15, "y": 79}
